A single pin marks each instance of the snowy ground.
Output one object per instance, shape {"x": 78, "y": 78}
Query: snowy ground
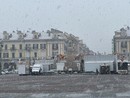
{"x": 65, "y": 86}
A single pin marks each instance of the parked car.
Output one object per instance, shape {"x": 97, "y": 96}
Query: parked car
{"x": 3, "y": 72}
{"x": 6, "y": 71}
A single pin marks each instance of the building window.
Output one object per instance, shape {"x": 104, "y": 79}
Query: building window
{"x": 5, "y": 37}
{"x": 13, "y": 55}
{"x": 28, "y": 47}
{"x": 55, "y": 46}
{"x": 42, "y": 46}
{"x": 6, "y": 47}
{"x": 35, "y": 54}
{"x": 13, "y": 47}
{"x": 70, "y": 44}
{"x": 124, "y": 44}
{"x": 20, "y": 46}
{"x": 65, "y": 48}
{"x": 20, "y": 36}
{"x": 5, "y": 55}
{"x": 35, "y": 36}
{"x": 54, "y": 54}
{"x": 124, "y": 51}
{"x": 20, "y": 55}
{"x": 35, "y": 46}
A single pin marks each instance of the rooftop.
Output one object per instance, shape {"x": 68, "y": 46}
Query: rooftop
{"x": 99, "y": 58}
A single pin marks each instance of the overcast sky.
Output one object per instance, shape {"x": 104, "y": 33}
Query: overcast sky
{"x": 94, "y": 21}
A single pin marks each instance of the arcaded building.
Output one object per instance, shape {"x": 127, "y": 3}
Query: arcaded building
{"x": 37, "y": 45}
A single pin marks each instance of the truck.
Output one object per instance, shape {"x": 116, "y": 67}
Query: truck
{"x": 68, "y": 67}
{"x": 73, "y": 67}
{"x": 122, "y": 67}
{"x": 23, "y": 69}
{"x": 105, "y": 69}
{"x": 104, "y": 64}
{"x": 60, "y": 67}
{"x": 40, "y": 68}
{"x": 37, "y": 69}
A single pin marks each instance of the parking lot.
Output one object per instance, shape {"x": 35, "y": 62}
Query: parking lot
{"x": 65, "y": 86}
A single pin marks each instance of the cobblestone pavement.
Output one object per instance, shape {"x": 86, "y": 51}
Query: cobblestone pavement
{"x": 65, "y": 86}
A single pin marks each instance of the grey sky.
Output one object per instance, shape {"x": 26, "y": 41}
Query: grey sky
{"x": 94, "y": 21}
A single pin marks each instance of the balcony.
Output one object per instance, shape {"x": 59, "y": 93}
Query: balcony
{"x": 28, "y": 48}
{"x": 12, "y": 49}
{"x": 35, "y": 48}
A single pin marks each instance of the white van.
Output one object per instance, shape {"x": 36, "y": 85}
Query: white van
{"x": 37, "y": 69}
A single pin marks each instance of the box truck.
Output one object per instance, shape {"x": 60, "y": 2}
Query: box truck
{"x": 23, "y": 69}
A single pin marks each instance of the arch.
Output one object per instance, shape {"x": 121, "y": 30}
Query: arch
{"x": 6, "y": 65}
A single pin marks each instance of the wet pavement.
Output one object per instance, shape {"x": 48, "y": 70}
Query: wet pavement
{"x": 65, "y": 86}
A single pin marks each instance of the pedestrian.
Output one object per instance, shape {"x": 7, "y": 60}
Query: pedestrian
{"x": 30, "y": 70}
{"x": 97, "y": 71}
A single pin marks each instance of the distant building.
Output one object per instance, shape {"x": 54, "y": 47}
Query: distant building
{"x": 121, "y": 43}
{"x": 37, "y": 45}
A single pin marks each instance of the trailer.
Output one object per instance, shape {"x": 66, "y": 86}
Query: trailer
{"x": 103, "y": 64}
{"x": 23, "y": 69}
{"x": 46, "y": 67}
{"x": 60, "y": 67}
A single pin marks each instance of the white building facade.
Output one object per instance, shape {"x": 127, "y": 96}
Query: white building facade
{"x": 121, "y": 43}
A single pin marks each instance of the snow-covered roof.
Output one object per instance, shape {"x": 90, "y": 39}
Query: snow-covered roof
{"x": 97, "y": 58}
{"x": 123, "y": 31}
{"x": 29, "y": 36}
{"x": 99, "y": 61}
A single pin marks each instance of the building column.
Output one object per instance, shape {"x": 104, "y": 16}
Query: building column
{"x": 62, "y": 48}
{"x": 49, "y": 50}
{"x": 59, "y": 48}
{"x": 117, "y": 50}
{"x": 128, "y": 46}
{"x": 120, "y": 47}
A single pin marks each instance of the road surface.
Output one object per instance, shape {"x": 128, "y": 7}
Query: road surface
{"x": 65, "y": 86}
